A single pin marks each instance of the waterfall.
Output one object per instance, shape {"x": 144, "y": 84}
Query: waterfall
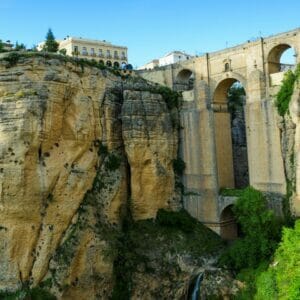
{"x": 196, "y": 290}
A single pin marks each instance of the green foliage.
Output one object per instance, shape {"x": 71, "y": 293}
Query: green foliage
{"x": 19, "y": 47}
{"x": 282, "y": 279}
{"x": 1, "y": 46}
{"x": 50, "y": 44}
{"x": 235, "y": 97}
{"x": 260, "y": 228}
{"x": 231, "y": 192}
{"x": 178, "y": 166}
{"x": 113, "y": 162}
{"x": 285, "y": 93}
{"x": 36, "y": 293}
{"x": 180, "y": 220}
{"x": 12, "y": 58}
{"x": 171, "y": 97}
{"x": 63, "y": 51}
{"x": 266, "y": 286}
{"x": 249, "y": 276}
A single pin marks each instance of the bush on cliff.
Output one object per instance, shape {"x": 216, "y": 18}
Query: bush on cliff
{"x": 260, "y": 230}
{"x": 282, "y": 279}
{"x": 285, "y": 93}
{"x": 25, "y": 293}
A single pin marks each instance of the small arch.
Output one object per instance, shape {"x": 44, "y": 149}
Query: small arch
{"x": 228, "y": 224}
{"x": 101, "y": 62}
{"x": 108, "y": 63}
{"x": 116, "y": 65}
{"x": 281, "y": 58}
{"x": 184, "y": 80}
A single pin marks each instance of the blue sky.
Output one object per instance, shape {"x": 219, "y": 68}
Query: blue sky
{"x": 149, "y": 28}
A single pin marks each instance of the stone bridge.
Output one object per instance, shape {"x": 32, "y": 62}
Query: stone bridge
{"x": 206, "y": 139}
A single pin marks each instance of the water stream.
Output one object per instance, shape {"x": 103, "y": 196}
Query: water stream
{"x": 196, "y": 290}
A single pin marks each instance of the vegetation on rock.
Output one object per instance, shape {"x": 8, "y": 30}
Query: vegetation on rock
{"x": 284, "y": 95}
{"x": 26, "y": 293}
{"x": 149, "y": 245}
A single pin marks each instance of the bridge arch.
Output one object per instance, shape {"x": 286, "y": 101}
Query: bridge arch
{"x": 228, "y": 224}
{"x": 275, "y": 65}
{"x": 184, "y": 80}
{"x": 230, "y": 133}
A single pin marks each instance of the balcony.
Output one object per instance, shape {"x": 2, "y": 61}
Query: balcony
{"x": 116, "y": 56}
{"x": 108, "y": 56}
{"x": 123, "y": 57}
{"x": 93, "y": 54}
{"x": 100, "y": 55}
{"x": 84, "y": 53}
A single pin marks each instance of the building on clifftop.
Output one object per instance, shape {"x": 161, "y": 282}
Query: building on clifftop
{"x": 101, "y": 51}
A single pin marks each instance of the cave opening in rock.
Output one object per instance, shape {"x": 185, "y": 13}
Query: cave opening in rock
{"x": 230, "y": 134}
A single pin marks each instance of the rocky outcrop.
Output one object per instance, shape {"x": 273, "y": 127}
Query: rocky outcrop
{"x": 76, "y": 143}
{"x": 293, "y": 149}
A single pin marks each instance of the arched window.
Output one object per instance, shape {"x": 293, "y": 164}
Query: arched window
{"x": 184, "y": 80}
{"x": 101, "y": 62}
{"x": 281, "y": 58}
{"x": 116, "y": 65}
{"x": 108, "y": 63}
{"x": 227, "y": 67}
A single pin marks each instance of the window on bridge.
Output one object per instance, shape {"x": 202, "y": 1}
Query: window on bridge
{"x": 281, "y": 58}
{"x": 230, "y": 134}
{"x": 184, "y": 81}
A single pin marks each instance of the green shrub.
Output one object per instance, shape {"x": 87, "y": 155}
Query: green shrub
{"x": 260, "y": 229}
{"x": 113, "y": 162}
{"x": 285, "y": 93}
{"x": 178, "y": 166}
{"x": 35, "y": 293}
{"x": 180, "y": 220}
{"x": 282, "y": 280}
{"x": 266, "y": 286}
{"x": 12, "y": 58}
{"x": 171, "y": 97}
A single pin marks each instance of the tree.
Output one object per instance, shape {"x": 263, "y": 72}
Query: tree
{"x": 19, "y": 47}
{"x": 50, "y": 44}
{"x": 1, "y": 46}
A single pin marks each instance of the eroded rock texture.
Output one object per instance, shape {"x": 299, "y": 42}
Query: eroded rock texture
{"x": 75, "y": 145}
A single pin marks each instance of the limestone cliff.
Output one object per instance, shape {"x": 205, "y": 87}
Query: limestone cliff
{"x": 76, "y": 143}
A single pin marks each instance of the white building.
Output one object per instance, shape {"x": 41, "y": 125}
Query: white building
{"x": 101, "y": 51}
{"x": 169, "y": 59}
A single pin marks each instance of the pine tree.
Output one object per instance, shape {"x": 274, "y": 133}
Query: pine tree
{"x": 50, "y": 44}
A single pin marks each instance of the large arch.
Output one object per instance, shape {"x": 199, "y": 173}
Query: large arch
{"x": 184, "y": 80}
{"x": 230, "y": 138}
{"x": 273, "y": 58}
{"x": 228, "y": 224}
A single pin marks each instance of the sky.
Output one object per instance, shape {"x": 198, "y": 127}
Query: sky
{"x": 149, "y": 28}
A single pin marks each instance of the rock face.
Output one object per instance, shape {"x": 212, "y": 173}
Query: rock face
{"x": 76, "y": 143}
{"x": 291, "y": 149}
